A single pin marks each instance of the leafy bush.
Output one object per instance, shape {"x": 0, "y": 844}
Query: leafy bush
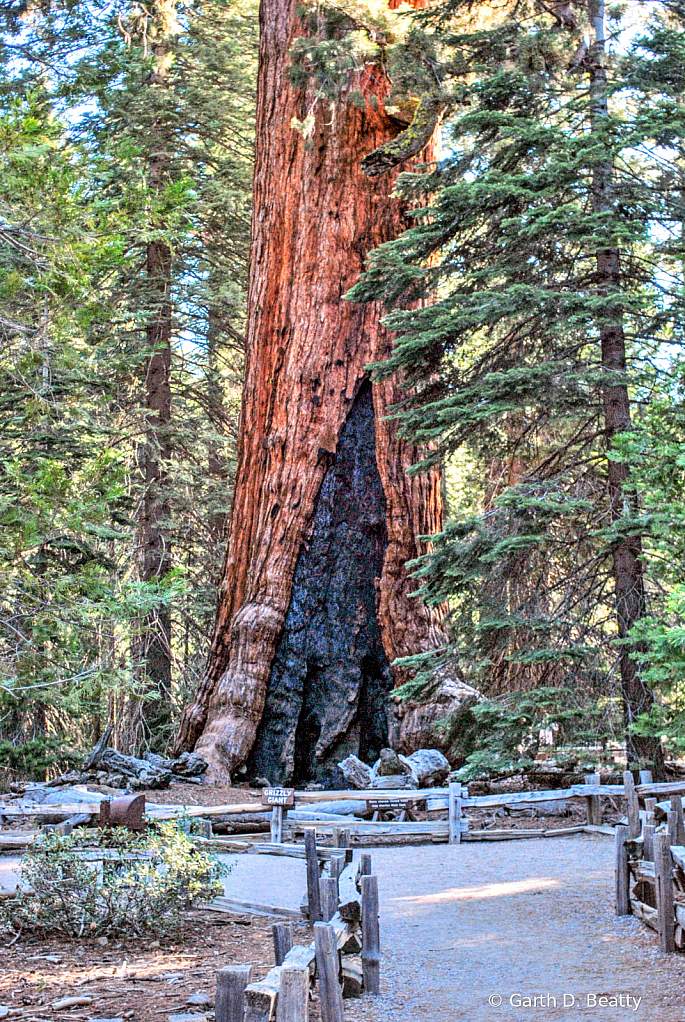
{"x": 113, "y": 883}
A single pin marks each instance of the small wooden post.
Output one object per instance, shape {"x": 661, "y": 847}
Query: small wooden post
{"x": 277, "y": 825}
{"x": 592, "y": 802}
{"x": 293, "y": 994}
{"x": 677, "y": 807}
{"x": 313, "y": 898}
{"x": 646, "y": 777}
{"x": 344, "y": 839}
{"x": 455, "y": 813}
{"x": 672, "y": 826}
{"x": 633, "y": 810}
{"x": 371, "y": 938}
{"x": 337, "y": 866}
{"x": 328, "y": 967}
{"x": 622, "y": 872}
{"x": 663, "y": 869}
{"x": 230, "y": 992}
{"x": 365, "y": 865}
{"x": 105, "y": 810}
{"x": 328, "y": 888}
{"x": 648, "y": 848}
{"x": 283, "y": 940}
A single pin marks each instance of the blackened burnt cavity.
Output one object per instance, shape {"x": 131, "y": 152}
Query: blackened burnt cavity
{"x": 328, "y": 691}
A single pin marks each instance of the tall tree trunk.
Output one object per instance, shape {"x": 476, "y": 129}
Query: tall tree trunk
{"x": 155, "y": 645}
{"x": 316, "y": 216}
{"x": 627, "y": 548}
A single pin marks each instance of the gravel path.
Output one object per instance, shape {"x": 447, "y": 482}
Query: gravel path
{"x": 504, "y": 920}
{"x": 514, "y": 920}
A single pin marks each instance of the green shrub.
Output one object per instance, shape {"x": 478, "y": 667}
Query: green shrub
{"x": 36, "y": 757}
{"x": 500, "y": 737}
{"x": 138, "y": 883}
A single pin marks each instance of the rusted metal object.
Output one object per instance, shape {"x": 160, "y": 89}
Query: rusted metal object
{"x": 126, "y": 812}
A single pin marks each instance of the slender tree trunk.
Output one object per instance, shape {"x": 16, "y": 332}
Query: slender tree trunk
{"x": 316, "y": 216}
{"x": 627, "y": 549}
{"x": 155, "y": 645}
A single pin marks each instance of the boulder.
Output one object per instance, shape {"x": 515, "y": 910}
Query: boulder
{"x": 389, "y": 764}
{"x": 429, "y": 767}
{"x": 394, "y": 781}
{"x": 356, "y": 773}
{"x": 414, "y": 725}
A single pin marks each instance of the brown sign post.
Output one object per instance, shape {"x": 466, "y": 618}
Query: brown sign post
{"x": 277, "y": 798}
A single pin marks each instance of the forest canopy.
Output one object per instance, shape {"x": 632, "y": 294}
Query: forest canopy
{"x": 536, "y": 308}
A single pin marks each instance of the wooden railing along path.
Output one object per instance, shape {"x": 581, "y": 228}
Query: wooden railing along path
{"x": 650, "y": 859}
{"x": 344, "y": 956}
{"x": 285, "y": 830}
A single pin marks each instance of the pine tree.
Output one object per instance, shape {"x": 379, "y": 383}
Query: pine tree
{"x": 98, "y": 111}
{"x": 550, "y": 293}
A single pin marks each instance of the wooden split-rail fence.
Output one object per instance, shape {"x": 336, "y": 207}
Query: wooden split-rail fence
{"x": 287, "y": 829}
{"x": 344, "y": 957}
{"x": 650, "y": 859}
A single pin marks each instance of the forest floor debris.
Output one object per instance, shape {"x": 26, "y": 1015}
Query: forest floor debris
{"x": 144, "y": 979}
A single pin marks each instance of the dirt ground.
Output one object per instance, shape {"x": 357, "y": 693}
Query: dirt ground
{"x": 145, "y": 979}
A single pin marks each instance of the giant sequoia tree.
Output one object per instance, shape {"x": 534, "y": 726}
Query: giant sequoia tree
{"x": 315, "y": 601}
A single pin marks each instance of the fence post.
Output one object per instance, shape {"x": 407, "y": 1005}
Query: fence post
{"x": 328, "y": 892}
{"x": 677, "y": 807}
{"x": 672, "y": 826}
{"x": 633, "y": 805}
{"x": 328, "y": 966}
{"x": 277, "y": 825}
{"x": 230, "y": 992}
{"x": 337, "y": 866}
{"x": 313, "y": 897}
{"x": 594, "y": 806}
{"x": 622, "y": 872}
{"x": 646, "y": 777}
{"x": 663, "y": 869}
{"x": 344, "y": 839}
{"x": 455, "y": 813}
{"x": 283, "y": 940}
{"x": 371, "y": 940}
{"x": 293, "y": 994}
{"x": 648, "y": 847}
{"x": 365, "y": 864}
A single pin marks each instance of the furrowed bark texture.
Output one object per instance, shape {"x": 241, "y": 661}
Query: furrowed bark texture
{"x": 627, "y": 549}
{"x": 316, "y": 216}
{"x": 155, "y": 640}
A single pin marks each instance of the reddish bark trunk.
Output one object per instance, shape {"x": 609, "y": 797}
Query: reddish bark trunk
{"x": 629, "y": 586}
{"x": 155, "y": 639}
{"x": 316, "y": 216}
